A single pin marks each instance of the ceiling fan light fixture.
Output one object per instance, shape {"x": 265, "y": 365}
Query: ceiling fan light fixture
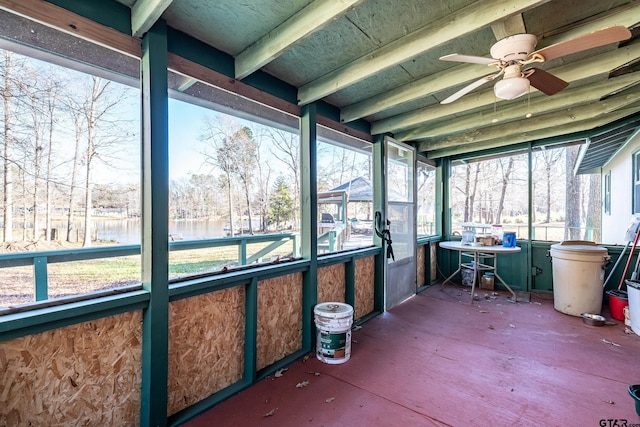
{"x": 511, "y": 88}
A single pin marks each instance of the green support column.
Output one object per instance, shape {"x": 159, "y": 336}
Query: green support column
{"x": 155, "y": 222}
{"x": 40, "y": 277}
{"x": 309, "y": 233}
{"x": 379, "y": 206}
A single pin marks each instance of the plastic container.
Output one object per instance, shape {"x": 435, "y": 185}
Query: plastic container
{"x": 467, "y": 274}
{"x": 468, "y": 237}
{"x": 488, "y": 281}
{"x": 618, "y": 300}
{"x": 634, "y": 392}
{"x": 578, "y": 275}
{"x": 633, "y": 290}
{"x": 509, "y": 239}
{"x": 333, "y": 326}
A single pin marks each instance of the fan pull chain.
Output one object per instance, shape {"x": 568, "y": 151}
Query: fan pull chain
{"x": 528, "y": 115}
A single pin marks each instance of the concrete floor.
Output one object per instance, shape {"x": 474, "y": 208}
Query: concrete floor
{"x": 437, "y": 360}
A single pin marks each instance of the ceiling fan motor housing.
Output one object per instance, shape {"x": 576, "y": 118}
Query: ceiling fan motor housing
{"x": 517, "y": 47}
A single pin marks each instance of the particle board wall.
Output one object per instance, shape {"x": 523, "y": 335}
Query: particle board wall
{"x": 206, "y": 345}
{"x": 420, "y": 273}
{"x": 364, "y": 286}
{"x": 83, "y": 374}
{"x": 331, "y": 283}
{"x": 279, "y": 331}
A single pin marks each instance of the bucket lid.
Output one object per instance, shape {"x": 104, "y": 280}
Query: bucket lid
{"x": 633, "y": 284}
{"x": 579, "y": 246}
{"x": 620, "y": 294}
{"x": 333, "y": 309}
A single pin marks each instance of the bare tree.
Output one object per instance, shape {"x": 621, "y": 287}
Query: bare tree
{"x": 287, "y": 150}
{"x": 71, "y": 203}
{"x": 573, "y": 195}
{"x": 506, "y": 176}
{"x": 100, "y": 106}
{"x": 8, "y": 147}
{"x": 593, "y": 218}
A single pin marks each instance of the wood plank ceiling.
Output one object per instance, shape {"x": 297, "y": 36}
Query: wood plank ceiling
{"x": 378, "y": 60}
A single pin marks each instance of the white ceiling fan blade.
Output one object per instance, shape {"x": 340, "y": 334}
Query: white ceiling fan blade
{"x": 454, "y": 57}
{"x": 465, "y": 90}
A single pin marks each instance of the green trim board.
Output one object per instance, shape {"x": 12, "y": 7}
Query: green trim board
{"x": 30, "y": 322}
{"x": 309, "y": 235}
{"x": 155, "y": 226}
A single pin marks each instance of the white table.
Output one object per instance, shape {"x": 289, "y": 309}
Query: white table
{"x": 477, "y": 253}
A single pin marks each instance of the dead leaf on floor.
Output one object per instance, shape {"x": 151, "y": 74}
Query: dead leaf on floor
{"x": 331, "y": 399}
{"x": 302, "y": 384}
{"x": 609, "y": 342}
{"x": 317, "y": 374}
{"x": 536, "y": 302}
{"x": 271, "y": 412}
{"x": 356, "y": 328}
{"x": 511, "y": 325}
{"x": 628, "y": 330}
{"x": 483, "y": 311}
{"x": 611, "y": 402}
{"x": 280, "y": 372}
{"x": 491, "y": 327}
{"x": 307, "y": 356}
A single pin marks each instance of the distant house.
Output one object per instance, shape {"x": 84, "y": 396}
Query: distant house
{"x": 617, "y": 152}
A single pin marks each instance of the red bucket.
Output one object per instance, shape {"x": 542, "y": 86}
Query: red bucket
{"x": 617, "y": 301}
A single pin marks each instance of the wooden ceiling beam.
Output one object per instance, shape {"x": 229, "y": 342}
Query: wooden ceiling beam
{"x": 508, "y": 27}
{"x": 145, "y": 13}
{"x": 578, "y": 70}
{"x": 307, "y": 21}
{"x": 417, "y": 89}
{"x": 624, "y": 15}
{"x": 539, "y": 105}
{"x": 553, "y": 119}
{"x": 517, "y": 136}
{"x": 471, "y": 18}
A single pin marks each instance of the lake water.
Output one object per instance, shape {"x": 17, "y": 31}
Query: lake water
{"x": 127, "y": 231}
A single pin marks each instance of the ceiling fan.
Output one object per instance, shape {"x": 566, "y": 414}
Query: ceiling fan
{"x": 511, "y": 54}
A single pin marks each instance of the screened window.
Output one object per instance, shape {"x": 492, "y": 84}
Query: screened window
{"x": 566, "y": 206}
{"x": 345, "y": 193}
{"x": 426, "y": 199}
{"x": 71, "y": 176}
{"x": 234, "y": 182}
{"x": 490, "y": 191}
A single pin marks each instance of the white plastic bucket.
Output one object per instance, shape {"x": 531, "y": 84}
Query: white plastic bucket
{"x": 633, "y": 291}
{"x": 333, "y": 327}
{"x": 578, "y": 275}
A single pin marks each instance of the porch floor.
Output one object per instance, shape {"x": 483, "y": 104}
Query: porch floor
{"x": 436, "y": 360}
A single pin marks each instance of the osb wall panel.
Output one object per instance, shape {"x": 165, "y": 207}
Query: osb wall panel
{"x": 420, "y": 266}
{"x": 434, "y": 263}
{"x": 206, "y": 345}
{"x": 331, "y": 284}
{"x": 279, "y": 318}
{"x": 364, "y": 287}
{"x": 86, "y": 374}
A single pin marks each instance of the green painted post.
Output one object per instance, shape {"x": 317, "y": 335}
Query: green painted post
{"x": 242, "y": 255}
{"x": 309, "y": 233}
{"x": 41, "y": 278}
{"x": 155, "y": 222}
{"x": 379, "y": 206}
{"x": 251, "y": 330}
{"x": 350, "y": 283}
